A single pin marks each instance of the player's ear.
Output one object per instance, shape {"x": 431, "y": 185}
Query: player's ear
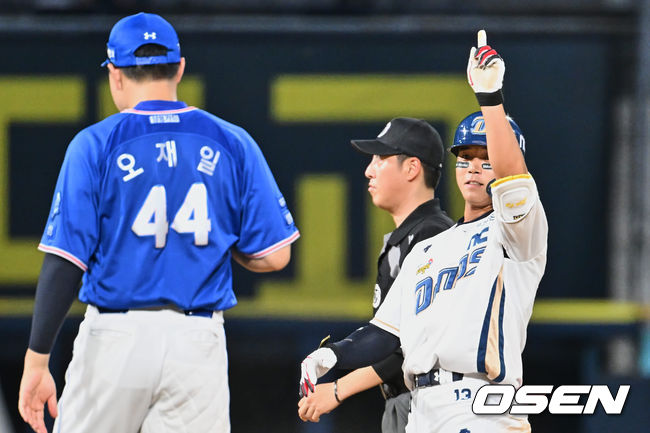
{"x": 413, "y": 167}
{"x": 114, "y": 77}
{"x": 181, "y": 70}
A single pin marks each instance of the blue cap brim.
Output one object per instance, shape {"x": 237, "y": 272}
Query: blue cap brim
{"x": 173, "y": 56}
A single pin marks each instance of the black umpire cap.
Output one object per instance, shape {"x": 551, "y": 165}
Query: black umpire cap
{"x": 405, "y": 135}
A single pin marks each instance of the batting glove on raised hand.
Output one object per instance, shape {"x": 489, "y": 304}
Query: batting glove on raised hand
{"x": 314, "y": 366}
{"x": 485, "y": 71}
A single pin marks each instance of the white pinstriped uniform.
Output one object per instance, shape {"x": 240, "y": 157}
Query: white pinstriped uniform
{"x": 463, "y": 299}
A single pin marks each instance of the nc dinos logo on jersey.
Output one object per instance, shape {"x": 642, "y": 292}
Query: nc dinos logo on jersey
{"x": 478, "y": 126}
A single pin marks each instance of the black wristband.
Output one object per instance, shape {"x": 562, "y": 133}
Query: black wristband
{"x": 336, "y": 391}
{"x": 334, "y": 348}
{"x": 490, "y": 99}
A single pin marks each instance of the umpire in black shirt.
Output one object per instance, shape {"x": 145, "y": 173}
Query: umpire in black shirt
{"x": 405, "y": 169}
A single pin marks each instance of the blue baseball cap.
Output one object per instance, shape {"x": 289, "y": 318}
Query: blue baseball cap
{"x": 134, "y": 31}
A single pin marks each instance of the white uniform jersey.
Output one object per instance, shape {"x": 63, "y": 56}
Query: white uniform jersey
{"x": 463, "y": 299}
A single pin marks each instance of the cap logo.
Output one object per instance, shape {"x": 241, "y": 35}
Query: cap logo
{"x": 478, "y": 126}
{"x": 148, "y": 35}
{"x": 384, "y": 131}
{"x": 110, "y": 53}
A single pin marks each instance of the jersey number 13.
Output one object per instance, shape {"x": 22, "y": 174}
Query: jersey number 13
{"x": 192, "y": 217}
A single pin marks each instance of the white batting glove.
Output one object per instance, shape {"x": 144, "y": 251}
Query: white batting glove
{"x": 485, "y": 71}
{"x": 314, "y": 366}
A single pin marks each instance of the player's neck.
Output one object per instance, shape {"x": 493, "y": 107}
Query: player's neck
{"x": 160, "y": 90}
{"x": 473, "y": 212}
{"x": 411, "y": 202}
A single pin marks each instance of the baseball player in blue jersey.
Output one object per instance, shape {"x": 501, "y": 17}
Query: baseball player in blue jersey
{"x": 150, "y": 206}
{"x": 461, "y": 303}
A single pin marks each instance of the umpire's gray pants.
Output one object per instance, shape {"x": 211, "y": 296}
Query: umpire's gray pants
{"x": 396, "y": 414}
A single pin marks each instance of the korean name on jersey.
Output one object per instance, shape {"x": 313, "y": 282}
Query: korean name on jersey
{"x": 171, "y": 188}
{"x": 463, "y": 299}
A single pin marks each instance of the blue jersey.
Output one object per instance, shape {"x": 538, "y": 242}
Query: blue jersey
{"x": 150, "y": 201}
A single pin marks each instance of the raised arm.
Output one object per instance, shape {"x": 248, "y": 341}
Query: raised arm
{"x": 485, "y": 71}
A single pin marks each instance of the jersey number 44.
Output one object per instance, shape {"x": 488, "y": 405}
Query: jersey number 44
{"x": 191, "y": 217}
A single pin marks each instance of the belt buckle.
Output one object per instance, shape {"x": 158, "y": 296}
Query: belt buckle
{"x": 415, "y": 379}
{"x": 199, "y": 312}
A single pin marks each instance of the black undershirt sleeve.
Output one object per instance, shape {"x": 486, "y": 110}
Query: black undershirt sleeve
{"x": 390, "y": 369}
{"x": 364, "y": 347}
{"x": 58, "y": 284}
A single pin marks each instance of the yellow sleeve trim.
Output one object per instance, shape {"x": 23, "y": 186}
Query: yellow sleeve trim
{"x": 385, "y": 324}
{"x": 508, "y": 178}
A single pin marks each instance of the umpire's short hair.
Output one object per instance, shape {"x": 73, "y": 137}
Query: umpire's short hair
{"x": 161, "y": 71}
{"x": 431, "y": 174}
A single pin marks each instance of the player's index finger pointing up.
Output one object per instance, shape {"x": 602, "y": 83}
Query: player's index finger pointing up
{"x": 482, "y": 38}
